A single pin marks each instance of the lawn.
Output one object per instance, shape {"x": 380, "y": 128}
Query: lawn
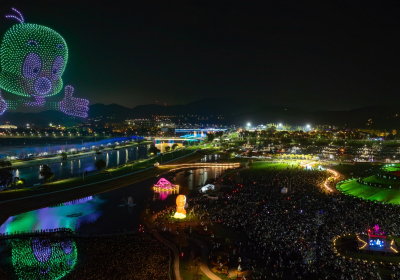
{"x": 354, "y": 188}
{"x": 391, "y": 167}
{"x": 258, "y": 166}
{"x": 385, "y": 183}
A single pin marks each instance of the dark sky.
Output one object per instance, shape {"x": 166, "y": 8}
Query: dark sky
{"x": 311, "y": 55}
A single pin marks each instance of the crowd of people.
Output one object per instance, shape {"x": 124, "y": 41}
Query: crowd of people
{"x": 122, "y": 256}
{"x": 291, "y": 234}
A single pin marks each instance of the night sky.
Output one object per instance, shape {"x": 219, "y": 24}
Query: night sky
{"x": 310, "y": 55}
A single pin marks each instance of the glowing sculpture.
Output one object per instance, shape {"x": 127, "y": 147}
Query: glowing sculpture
{"x": 165, "y": 188}
{"x": 180, "y": 204}
{"x": 165, "y": 185}
{"x": 33, "y": 59}
{"x": 43, "y": 258}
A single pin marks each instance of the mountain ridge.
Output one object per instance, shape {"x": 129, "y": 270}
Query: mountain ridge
{"x": 217, "y": 110}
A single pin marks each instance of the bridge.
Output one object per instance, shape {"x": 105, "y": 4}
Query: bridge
{"x": 199, "y": 129}
{"x": 200, "y": 165}
{"x": 173, "y": 139}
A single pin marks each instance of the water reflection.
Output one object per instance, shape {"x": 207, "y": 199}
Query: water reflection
{"x": 70, "y": 214}
{"x": 163, "y": 146}
{"x": 74, "y": 168}
{"x": 116, "y": 210}
{"x": 43, "y": 257}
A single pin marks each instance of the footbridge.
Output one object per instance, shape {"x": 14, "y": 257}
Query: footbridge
{"x": 200, "y": 165}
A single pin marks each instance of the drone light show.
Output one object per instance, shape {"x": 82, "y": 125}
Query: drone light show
{"x": 33, "y": 58}
{"x": 43, "y": 258}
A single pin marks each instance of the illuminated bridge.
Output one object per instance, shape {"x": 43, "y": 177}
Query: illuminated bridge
{"x": 159, "y": 140}
{"x": 200, "y": 165}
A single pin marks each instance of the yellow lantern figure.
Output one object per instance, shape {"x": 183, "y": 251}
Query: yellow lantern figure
{"x": 180, "y": 204}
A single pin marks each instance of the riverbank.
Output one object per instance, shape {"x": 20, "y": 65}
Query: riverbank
{"x": 16, "y": 202}
{"x": 20, "y": 164}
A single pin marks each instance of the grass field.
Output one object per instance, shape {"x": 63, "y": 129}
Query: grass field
{"x": 370, "y": 193}
{"x": 385, "y": 183}
{"x": 258, "y": 166}
{"x": 393, "y": 167}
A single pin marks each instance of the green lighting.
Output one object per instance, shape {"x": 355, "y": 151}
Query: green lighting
{"x": 51, "y": 259}
{"x": 28, "y": 50}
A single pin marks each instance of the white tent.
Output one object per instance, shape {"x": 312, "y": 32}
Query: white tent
{"x": 207, "y": 187}
{"x": 284, "y": 190}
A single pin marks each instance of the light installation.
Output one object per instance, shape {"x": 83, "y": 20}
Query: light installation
{"x": 163, "y": 185}
{"x": 43, "y": 257}
{"x": 165, "y": 188}
{"x": 180, "y": 204}
{"x": 33, "y": 58}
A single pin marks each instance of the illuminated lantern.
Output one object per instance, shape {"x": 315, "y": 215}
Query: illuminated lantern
{"x": 180, "y": 204}
{"x": 33, "y": 58}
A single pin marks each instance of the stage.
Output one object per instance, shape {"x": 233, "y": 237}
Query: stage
{"x": 383, "y": 245}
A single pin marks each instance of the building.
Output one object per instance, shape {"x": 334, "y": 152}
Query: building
{"x": 139, "y": 122}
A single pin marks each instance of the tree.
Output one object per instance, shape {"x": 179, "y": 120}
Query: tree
{"x": 210, "y": 137}
{"x": 174, "y": 146}
{"x": 185, "y": 143}
{"x": 154, "y": 150}
{"x": 100, "y": 164}
{"x": 6, "y": 177}
{"x": 5, "y": 163}
{"x": 195, "y": 269}
{"x": 46, "y": 173}
{"x": 64, "y": 156}
{"x": 168, "y": 148}
{"x": 181, "y": 239}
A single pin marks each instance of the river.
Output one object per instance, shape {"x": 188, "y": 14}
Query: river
{"x": 76, "y": 167}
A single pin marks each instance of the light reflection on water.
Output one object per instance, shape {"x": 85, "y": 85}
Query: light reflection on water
{"x": 108, "y": 212}
{"x": 66, "y": 215}
{"x": 74, "y": 168}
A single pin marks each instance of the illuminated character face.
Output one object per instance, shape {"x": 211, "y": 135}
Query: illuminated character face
{"x": 42, "y": 258}
{"x": 180, "y": 204}
{"x": 32, "y": 58}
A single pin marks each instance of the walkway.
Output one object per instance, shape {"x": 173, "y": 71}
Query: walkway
{"x": 204, "y": 259}
{"x": 174, "y": 250}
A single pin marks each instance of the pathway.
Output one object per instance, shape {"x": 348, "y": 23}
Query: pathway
{"x": 174, "y": 250}
{"x": 204, "y": 259}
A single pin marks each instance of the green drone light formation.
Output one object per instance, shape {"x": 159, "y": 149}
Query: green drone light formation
{"x": 32, "y": 59}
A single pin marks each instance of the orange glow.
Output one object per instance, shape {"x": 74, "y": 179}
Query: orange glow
{"x": 180, "y": 204}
